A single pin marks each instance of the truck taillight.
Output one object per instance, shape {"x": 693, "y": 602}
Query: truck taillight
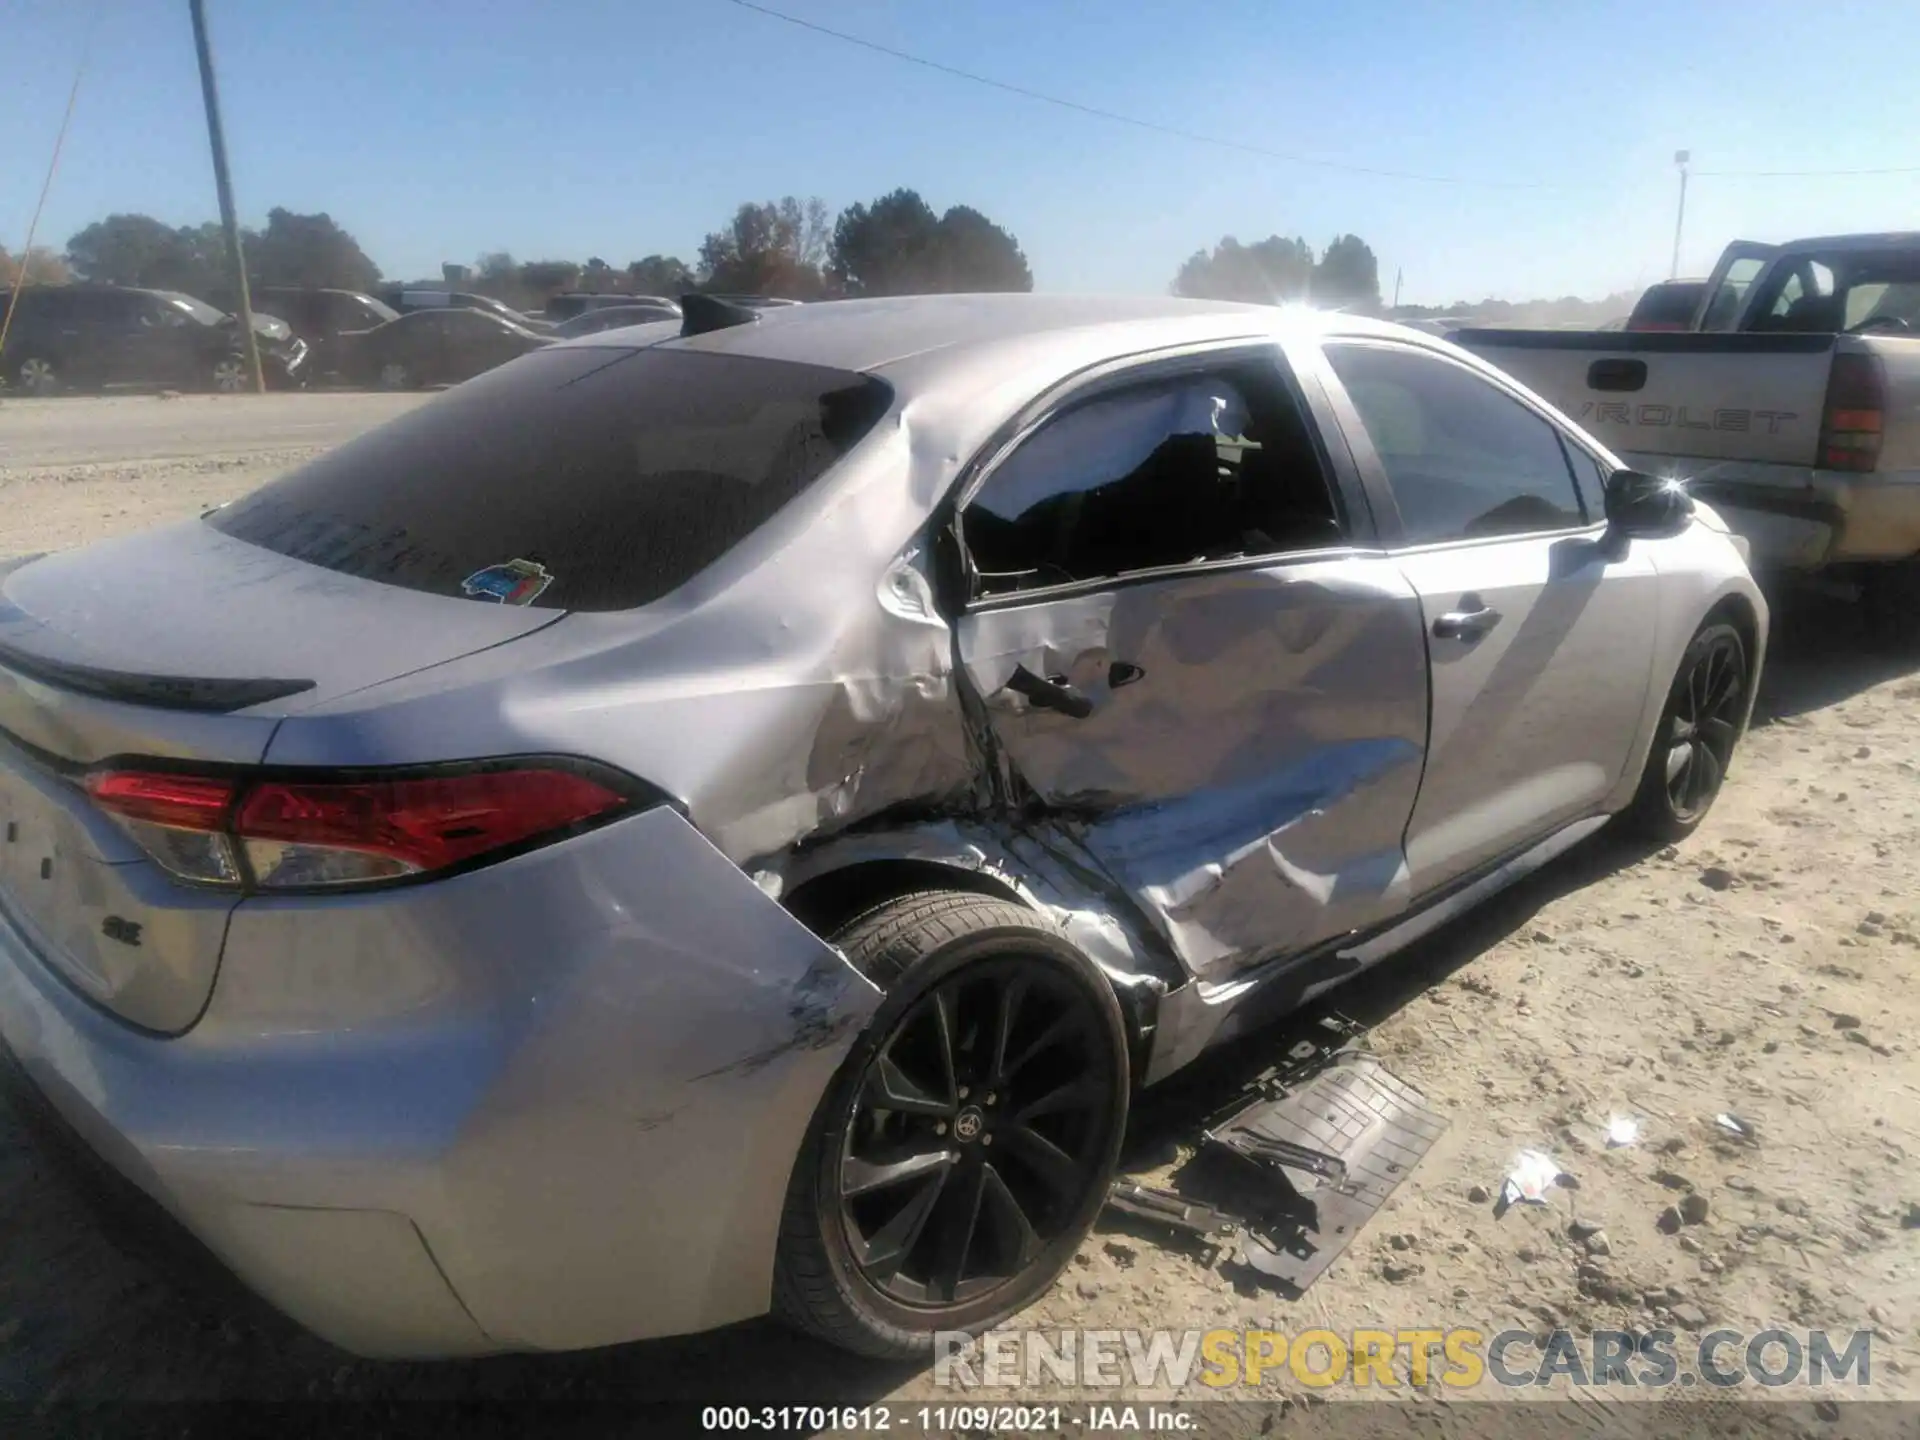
{"x": 1855, "y": 417}
{"x": 272, "y": 832}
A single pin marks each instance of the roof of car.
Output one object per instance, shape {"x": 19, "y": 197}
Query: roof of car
{"x": 1883, "y": 240}
{"x": 873, "y": 335}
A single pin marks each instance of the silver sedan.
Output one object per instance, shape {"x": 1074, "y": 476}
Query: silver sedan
{"x": 719, "y": 817}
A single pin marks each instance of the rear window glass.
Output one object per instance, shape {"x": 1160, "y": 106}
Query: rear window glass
{"x": 572, "y": 479}
{"x": 1668, "y": 305}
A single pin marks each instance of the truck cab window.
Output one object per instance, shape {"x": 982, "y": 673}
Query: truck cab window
{"x": 1804, "y": 301}
{"x": 1191, "y": 468}
{"x": 1724, "y": 310}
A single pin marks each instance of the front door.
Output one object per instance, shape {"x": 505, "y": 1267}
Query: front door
{"x": 1540, "y": 629}
{"x": 1188, "y": 666}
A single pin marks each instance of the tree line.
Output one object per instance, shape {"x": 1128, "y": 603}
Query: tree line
{"x": 792, "y": 248}
{"x": 1346, "y": 276}
{"x": 788, "y": 247}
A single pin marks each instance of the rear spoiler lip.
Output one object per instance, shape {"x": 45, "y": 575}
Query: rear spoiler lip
{"x": 196, "y": 694}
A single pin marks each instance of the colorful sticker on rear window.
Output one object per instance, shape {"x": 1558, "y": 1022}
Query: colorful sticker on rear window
{"x": 517, "y": 582}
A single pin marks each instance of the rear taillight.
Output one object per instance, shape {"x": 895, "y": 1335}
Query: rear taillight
{"x": 1855, "y": 418}
{"x": 280, "y": 833}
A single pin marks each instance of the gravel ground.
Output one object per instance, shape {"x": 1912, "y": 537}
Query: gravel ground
{"x": 1767, "y": 968}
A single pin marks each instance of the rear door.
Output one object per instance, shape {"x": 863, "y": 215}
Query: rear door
{"x": 1190, "y": 655}
{"x": 154, "y": 342}
{"x": 1540, "y": 630}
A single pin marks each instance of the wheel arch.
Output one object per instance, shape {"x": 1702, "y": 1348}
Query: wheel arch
{"x": 1738, "y": 611}
{"x": 831, "y": 898}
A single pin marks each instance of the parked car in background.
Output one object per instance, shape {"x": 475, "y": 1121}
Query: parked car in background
{"x": 562, "y": 308}
{"x": 1792, "y": 402}
{"x": 613, "y": 317}
{"x": 314, "y": 313}
{"x": 688, "y": 825}
{"x": 318, "y": 316}
{"x": 82, "y": 337}
{"x": 440, "y": 346}
{"x": 407, "y": 298}
{"x": 1670, "y": 305}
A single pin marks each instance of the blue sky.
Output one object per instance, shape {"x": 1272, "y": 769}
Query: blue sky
{"x": 558, "y": 129}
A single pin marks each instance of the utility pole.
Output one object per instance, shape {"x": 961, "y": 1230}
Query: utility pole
{"x": 216, "y": 137}
{"x": 1680, "y": 158}
{"x": 1397, "y": 273}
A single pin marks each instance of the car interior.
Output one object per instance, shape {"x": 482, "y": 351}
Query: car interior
{"x": 1169, "y": 473}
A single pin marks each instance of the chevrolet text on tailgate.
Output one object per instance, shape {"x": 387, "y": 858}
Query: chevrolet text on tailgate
{"x": 1790, "y": 401}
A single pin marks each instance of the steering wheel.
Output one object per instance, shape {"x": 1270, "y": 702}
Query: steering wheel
{"x": 1881, "y": 322}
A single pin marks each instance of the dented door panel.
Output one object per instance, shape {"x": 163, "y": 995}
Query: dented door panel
{"x": 1250, "y": 750}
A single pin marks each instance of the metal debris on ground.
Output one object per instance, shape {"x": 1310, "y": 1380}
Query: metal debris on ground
{"x": 1532, "y": 1176}
{"x": 1622, "y": 1130}
{"x": 1309, "y": 1153}
{"x": 1170, "y": 1208}
{"x": 1736, "y": 1127}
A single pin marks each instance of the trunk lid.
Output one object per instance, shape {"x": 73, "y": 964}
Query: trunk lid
{"x": 187, "y": 644}
{"x": 1741, "y": 397}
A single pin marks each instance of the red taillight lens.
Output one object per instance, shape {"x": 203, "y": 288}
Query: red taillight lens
{"x": 298, "y": 834}
{"x": 1855, "y": 418}
{"x": 181, "y": 802}
{"x": 423, "y": 824}
{"x": 180, "y": 820}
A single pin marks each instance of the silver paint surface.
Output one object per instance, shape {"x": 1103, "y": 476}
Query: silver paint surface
{"x": 555, "y": 1102}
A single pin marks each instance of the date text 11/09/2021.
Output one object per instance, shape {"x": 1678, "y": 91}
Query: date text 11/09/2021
{"x": 948, "y": 1419}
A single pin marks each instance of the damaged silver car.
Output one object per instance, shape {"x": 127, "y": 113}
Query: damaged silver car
{"x": 719, "y": 817}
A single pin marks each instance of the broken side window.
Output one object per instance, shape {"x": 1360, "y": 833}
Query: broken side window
{"x": 1188, "y": 468}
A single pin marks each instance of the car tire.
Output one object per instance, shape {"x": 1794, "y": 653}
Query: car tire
{"x": 229, "y": 375}
{"x": 1891, "y": 597}
{"x": 1704, "y": 716}
{"x": 900, "y": 1218}
{"x": 395, "y": 376}
{"x": 35, "y": 375}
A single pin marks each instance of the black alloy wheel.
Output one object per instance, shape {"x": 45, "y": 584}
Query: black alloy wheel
{"x": 1707, "y": 711}
{"x": 975, "y": 1134}
{"x": 1694, "y": 744}
{"x": 965, "y": 1147}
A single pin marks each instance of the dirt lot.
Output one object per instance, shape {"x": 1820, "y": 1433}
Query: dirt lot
{"x": 1766, "y": 968}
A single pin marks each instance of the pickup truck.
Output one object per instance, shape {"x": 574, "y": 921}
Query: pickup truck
{"x": 1791, "y": 402}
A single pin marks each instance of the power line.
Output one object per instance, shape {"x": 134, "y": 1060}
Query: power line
{"x": 1134, "y": 120}
{"x": 1803, "y": 174}
{"x": 1292, "y": 159}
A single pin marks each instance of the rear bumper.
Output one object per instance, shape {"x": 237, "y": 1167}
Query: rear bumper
{"x": 549, "y": 1105}
{"x": 1800, "y": 519}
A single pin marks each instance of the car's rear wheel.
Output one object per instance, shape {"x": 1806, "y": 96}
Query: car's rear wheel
{"x": 1694, "y": 743}
{"x": 394, "y": 375}
{"x": 229, "y": 375}
{"x": 37, "y": 375}
{"x": 966, "y": 1146}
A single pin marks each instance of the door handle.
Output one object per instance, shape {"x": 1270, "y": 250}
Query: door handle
{"x": 1472, "y": 620}
{"x": 1049, "y": 694}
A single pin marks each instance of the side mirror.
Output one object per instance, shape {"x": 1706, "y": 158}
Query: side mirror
{"x": 1641, "y": 506}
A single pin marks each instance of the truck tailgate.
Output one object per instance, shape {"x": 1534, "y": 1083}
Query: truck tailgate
{"x": 1755, "y": 398}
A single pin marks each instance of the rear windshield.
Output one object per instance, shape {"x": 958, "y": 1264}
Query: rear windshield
{"x": 1667, "y": 305}
{"x": 572, "y": 479}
